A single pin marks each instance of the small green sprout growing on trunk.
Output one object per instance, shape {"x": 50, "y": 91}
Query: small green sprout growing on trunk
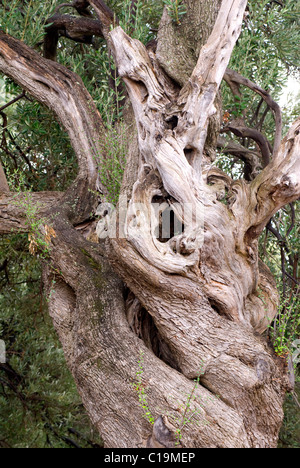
{"x": 138, "y": 385}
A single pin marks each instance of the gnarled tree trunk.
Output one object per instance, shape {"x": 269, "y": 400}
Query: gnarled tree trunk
{"x": 195, "y": 303}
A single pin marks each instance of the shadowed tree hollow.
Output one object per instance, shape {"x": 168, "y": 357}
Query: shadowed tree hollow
{"x": 143, "y": 311}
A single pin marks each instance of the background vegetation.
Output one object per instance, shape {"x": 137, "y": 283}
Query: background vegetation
{"x": 39, "y": 404}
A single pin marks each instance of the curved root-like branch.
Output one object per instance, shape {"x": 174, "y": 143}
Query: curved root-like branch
{"x": 203, "y": 287}
{"x": 232, "y": 76}
{"x": 250, "y": 158}
{"x": 77, "y": 29}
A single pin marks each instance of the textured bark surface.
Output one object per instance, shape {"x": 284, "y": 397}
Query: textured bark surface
{"x": 195, "y": 303}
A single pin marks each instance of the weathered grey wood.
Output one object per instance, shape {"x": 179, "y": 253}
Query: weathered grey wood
{"x": 3, "y": 181}
{"x": 208, "y": 300}
{"x": 14, "y": 209}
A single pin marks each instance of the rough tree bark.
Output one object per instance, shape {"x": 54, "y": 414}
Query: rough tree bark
{"x": 195, "y": 304}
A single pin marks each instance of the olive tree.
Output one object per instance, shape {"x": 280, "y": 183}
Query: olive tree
{"x": 161, "y": 331}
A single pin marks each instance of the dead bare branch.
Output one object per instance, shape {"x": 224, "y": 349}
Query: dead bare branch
{"x": 13, "y": 101}
{"x": 277, "y": 185}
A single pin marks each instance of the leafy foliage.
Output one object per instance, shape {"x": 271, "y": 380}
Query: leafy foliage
{"x": 290, "y": 432}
